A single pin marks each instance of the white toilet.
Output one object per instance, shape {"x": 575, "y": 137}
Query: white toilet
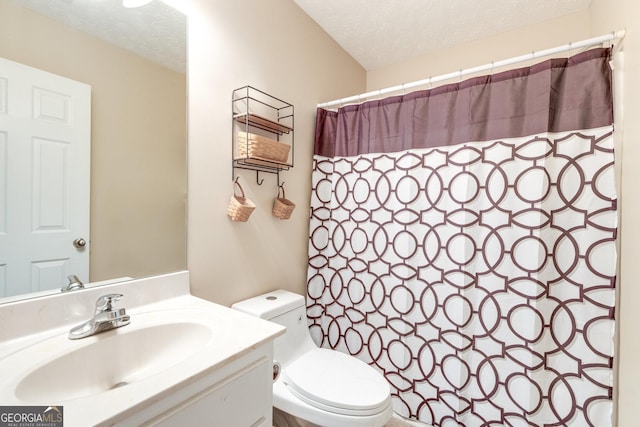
{"x": 320, "y": 386}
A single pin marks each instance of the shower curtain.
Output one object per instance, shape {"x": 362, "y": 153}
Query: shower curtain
{"x": 462, "y": 242}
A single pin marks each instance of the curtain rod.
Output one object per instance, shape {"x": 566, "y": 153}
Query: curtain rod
{"x": 533, "y": 55}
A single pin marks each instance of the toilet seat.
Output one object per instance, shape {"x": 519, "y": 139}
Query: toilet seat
{"x": 338, "y": 383}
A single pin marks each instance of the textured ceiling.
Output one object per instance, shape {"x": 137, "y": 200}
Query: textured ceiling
{"x": 378, "y": 33}
{"x": 155, "y": 31}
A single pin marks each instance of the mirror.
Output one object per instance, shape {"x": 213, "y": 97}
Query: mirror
{"x": 135, "y": 62}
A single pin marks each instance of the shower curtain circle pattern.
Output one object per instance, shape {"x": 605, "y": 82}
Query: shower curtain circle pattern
{"x": 477, "y": 275}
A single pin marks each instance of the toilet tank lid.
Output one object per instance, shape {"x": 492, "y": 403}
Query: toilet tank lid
{"x": 271, "y": 304}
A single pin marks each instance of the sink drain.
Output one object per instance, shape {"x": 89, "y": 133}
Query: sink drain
{"x": 118, "y": 385}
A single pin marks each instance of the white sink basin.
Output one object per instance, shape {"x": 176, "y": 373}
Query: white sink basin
{"x": 61, "y": 370}
{"x": 115, "y": 359}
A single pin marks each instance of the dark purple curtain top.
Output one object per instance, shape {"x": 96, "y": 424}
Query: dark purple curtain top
{"x": 552, "y": 96}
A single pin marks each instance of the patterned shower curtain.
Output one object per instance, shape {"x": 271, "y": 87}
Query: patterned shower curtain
{"x": 463, "y": 242}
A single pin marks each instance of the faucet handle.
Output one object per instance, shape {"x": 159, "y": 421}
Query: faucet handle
{"x": 104, "y": 302}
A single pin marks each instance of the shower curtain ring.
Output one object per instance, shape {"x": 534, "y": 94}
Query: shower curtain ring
{"x": 611, "y": 43}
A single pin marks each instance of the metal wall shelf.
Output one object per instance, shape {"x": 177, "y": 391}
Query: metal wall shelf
{"x": 257, "y": 112}
{"x": 262, "y": 123}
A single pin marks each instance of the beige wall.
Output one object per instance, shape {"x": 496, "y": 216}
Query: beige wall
{"x": 546, "y": 35}
{"x": 138, "y": 160}
{"x": 284, "y": 53}
{"x": 607, "y": 15}
{"x": 273, "y": 46}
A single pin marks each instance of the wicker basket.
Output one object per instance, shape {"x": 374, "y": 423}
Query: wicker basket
{"x": 262, "y": 148}
{"x": 282, "y": 208}
{"x": 240, "y": 208}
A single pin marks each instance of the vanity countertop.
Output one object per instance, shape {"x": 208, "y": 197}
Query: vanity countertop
{"x": 229, "y": 336}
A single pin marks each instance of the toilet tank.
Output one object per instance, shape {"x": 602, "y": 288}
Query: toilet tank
{"x": 270, "y": 305}
{"x": 289, "y": 310}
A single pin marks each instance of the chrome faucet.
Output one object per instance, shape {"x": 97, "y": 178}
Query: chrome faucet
{"x": 106, "y": 317}
{"x": 74, "y": 284}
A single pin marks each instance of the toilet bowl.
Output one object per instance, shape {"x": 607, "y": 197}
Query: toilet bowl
{"x": 320, "y": 386}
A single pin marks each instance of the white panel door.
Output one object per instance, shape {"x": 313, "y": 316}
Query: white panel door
{"x": 45, "y": 149}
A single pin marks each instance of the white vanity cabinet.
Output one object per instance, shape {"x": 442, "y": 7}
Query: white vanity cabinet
{"x": 241, "y": 399}
{"x": 181, "y": 361}
{"x": 239, "y": 394}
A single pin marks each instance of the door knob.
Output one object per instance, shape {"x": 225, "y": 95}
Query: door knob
{"x": 79, "y": 242}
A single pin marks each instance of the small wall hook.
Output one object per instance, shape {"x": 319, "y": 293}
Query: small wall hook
{"x": 258, "y": 180}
